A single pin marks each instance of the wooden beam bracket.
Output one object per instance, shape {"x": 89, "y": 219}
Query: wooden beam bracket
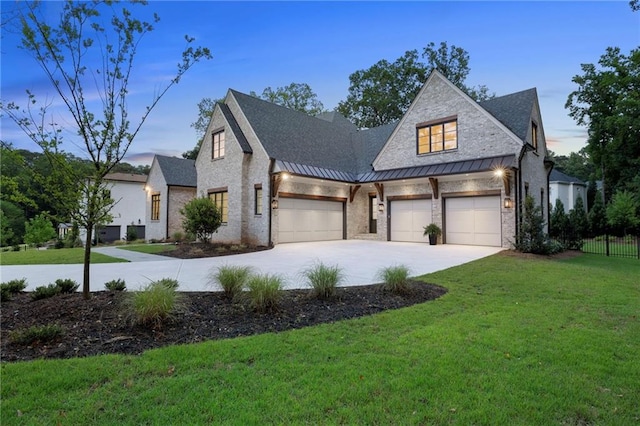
{"x": 352, "y": 192}
{"x": 275, "y": 185}
{"x": 506, "y": 180}
{"x": 380, "y": 189}
{"x": 434, "y": 187}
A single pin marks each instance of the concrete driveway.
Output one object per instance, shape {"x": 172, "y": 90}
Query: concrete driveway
{"x": 359, "y": 259}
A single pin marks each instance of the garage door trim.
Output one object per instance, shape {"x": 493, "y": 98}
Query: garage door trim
{"x": 471, "y": 194}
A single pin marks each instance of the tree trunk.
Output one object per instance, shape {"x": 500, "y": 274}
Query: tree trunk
{"x": 87, "y": 262}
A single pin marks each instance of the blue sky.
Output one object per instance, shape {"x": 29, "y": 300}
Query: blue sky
{"x": 512, "y": 46}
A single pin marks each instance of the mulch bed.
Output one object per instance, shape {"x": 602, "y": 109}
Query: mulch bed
{"x": 199, "y": 250}
{"x": 102, "y": 324}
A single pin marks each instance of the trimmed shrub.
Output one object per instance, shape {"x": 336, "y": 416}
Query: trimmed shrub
{"x": 9, "y": 288}
{"x": 115, "y": 285}
{"x": 67, "y": 285}
{"x": 155, "y": 304}
{"x": 395, "y": 278}
{"x": 36, "y": 334}
{"x": 231, "y": 279}
{"x": 323, "y": 279}
{"x": 45, "y": 292}
{"x": 264, "y": 292}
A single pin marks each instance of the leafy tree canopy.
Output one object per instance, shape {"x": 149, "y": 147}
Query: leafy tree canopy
{"x": 382, "y": 93}
{"x": 39, "y": 230}
{"x": 296, "y": 96}
{"x": 576, "y": 164}
{"x": 89, "y": 48}
{"x": 607, "y": 101}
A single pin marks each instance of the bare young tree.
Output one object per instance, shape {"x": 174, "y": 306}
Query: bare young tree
{"x": 81, "y": 57}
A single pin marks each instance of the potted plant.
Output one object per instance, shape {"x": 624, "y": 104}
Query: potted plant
{"x": 433, "y": 231}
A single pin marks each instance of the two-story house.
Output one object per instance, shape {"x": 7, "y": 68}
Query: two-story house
{"x": 280, "y": 175}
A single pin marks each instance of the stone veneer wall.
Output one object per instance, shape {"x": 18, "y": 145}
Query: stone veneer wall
{"x": 156, "y": 229}
{"x": 178, "y": 197}
{"x": 478, "y": 134}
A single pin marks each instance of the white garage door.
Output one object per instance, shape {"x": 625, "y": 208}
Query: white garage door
{"x": 309, "y": 220}
{"x": 408, "y": 219}
{"x": 473, "y": 221}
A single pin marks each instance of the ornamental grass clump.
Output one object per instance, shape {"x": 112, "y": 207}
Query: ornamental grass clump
{"x": 395, "y": 278}
{"x": 156, "y": 303}
{"x": 36, "y": 334}
{"x": 323, "y": 279}
{"x": 231, "y": 279}
{"x": 264, "y": 292}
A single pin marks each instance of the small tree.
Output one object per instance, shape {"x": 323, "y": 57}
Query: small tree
{"x": 597, "y": 217}
{"x": 39, "y": 230}
{"x": 622, "y": 212}
{"x": 201, "y": 218}
{"x": 87, "y": 53}
{"x": 558, "y": 220}
{"x": 531, "y": 237}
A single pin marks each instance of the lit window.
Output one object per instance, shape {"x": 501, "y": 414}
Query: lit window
{"x": 534, "y": 135}
{"x": 218, "y": 145}
{"x": 438, "y": 137}
{"x": 258, "y": 201}
{"x": 155, "y": 207}
{"x": 221, "y": 200}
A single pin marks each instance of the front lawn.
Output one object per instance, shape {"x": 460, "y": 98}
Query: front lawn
{"x": 515, "y": 341}
{"x": 150, "y": 248}
{"x": 53, "y": 257}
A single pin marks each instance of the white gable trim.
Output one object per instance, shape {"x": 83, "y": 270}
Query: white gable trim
{"x": 438, "y": 74}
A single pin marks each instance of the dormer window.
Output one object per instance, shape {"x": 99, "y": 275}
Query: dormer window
{"x": 217, "y": 146}
{"x": 437, "y": 136}
{"x": 534, "y": 135}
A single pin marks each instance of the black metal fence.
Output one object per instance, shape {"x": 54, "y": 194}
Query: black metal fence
{"x": 609, "y": 245}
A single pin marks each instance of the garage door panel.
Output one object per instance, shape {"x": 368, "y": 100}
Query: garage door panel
{"x": 473, "y": 221}
{"x": 408, "y": 219}
{"x": 309, "y": 220}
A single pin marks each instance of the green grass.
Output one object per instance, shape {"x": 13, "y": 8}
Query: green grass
{"x": 149, "y": 248}
{"x": 514, "y": 342}
{"x": 53, "y": 257}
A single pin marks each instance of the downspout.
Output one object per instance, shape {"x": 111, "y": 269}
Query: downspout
{"x": 272, "y": 163}
{"x": 166, "y": 231}
{"x": 519, "y": 190}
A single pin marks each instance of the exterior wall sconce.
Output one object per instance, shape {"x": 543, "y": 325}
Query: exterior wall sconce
{"x": 274, "y": 204}
{"x": 381, "y": 207}
{"x": 508, "y": 203}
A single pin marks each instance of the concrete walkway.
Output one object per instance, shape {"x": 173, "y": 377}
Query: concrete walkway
{"x": 360, "y": 261}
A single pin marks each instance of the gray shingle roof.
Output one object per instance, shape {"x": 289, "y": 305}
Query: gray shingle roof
{"x": 513, "y": 110}
{"x": 329, "y": 146}
{"x": 294, "y": 136}
{"x": 178, "y": 171}
{"x": 242, "y": 140}
{"x": 558, "y": 176}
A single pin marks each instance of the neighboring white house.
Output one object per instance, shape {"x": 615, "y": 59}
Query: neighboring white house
{"x": 567, "y": 189}
{"x": 127, "y": 191}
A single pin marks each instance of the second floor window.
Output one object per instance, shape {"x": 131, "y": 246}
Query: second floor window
{"x": 217, "y": 150}
{"x": 437, "y": 137}
{"x": 534, "y": 135}
{"x": 155, "y": 207}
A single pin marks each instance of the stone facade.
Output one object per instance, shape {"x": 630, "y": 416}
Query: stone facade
{"x": 177, "y": 198}
{"x": 479, "y": 135}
